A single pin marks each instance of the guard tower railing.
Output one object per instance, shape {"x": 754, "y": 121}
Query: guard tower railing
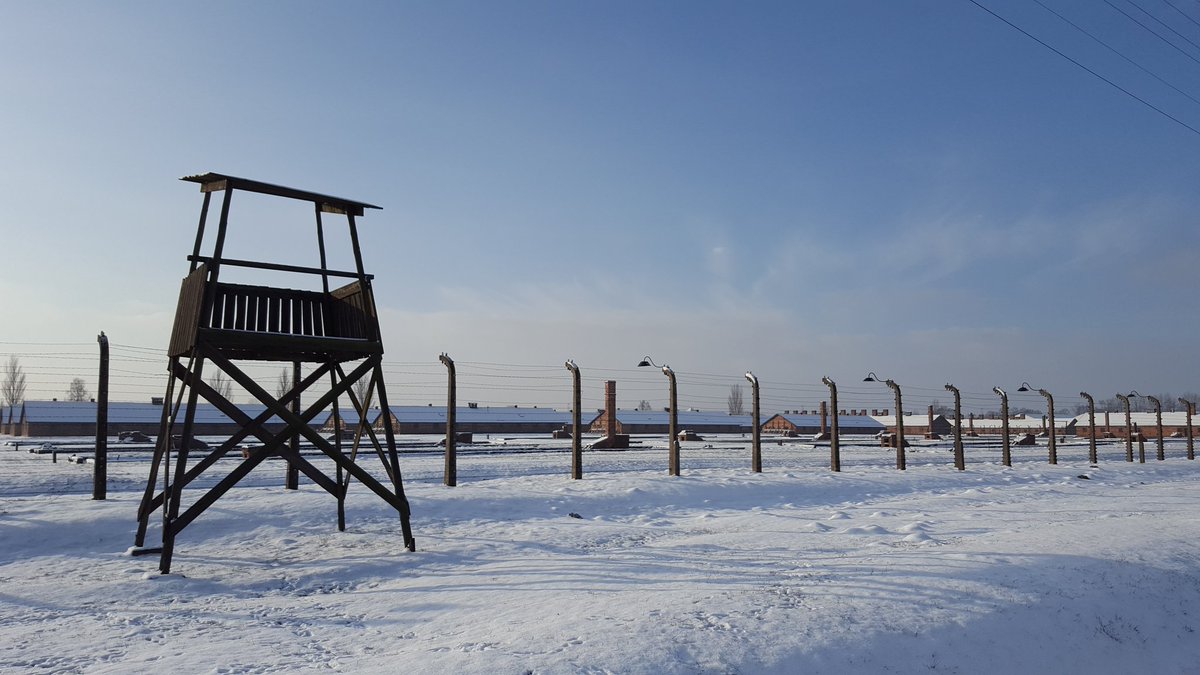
{"x": 266, "y": 323}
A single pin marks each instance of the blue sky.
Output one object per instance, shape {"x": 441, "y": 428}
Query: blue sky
{"x": 795, "y": 188}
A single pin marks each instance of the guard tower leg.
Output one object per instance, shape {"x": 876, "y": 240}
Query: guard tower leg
{"x": 171, "y": 506}
{"x": 161, "y": 446}
{"x": 342, "y": 483}
{"x": 390, "y": 435}
{"x": 291, "y": 480}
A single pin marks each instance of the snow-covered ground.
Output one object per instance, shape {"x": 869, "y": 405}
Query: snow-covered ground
{"x": 1031, "y": 569}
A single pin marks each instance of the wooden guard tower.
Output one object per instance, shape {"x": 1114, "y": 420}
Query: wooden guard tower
{"x": 219, "y": 324}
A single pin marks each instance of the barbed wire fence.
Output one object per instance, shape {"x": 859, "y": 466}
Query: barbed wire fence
{"x": 138, "y": 373}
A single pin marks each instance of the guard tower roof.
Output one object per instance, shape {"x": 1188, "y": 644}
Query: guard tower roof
{"x": 215, "y": 182}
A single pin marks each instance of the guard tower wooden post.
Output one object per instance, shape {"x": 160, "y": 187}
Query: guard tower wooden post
{"x": 220, "y": 324}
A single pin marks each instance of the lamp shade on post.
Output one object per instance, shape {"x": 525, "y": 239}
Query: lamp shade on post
{"x": 900, "y": 456}
{"x": 1053, "y": 433}
{"x": 576, "y": 422}
{"x": 673, "y": 424}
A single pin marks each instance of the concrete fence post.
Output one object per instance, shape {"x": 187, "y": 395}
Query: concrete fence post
{"x": 450, "y": 474}
{"x": 835, "y": 451}
{"x": 100, "y": 465}
{"x": 756, "y": 434}
{"x": 1190, "y": 408}
{"x": 576, "y": 423}
{"x": 1091, "y": 426}
{"x": 960, "y": 460}
{"x": 1006, "y": 451}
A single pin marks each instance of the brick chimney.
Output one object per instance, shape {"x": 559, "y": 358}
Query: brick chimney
{"x": 610, "y": 408}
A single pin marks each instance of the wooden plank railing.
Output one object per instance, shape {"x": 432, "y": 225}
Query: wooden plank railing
{"x": 341, "y": 314}
{"x": 347, "y": 312}
{"x": 352, "y": 312}
{"x": 187, "y": 314}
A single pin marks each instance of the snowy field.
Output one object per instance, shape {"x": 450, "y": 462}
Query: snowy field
{"x": 1031, "y": 569}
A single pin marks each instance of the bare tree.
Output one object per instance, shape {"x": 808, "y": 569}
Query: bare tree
{"x": 1170, "y": 402}
{"x": 645, "y": 405}
{"x": 360, "y": 389}
{"x": 736, "y": 406}
{"x": 283, "y": 384}
{"x": 78, "y": 390}
{"x": 221, "y": 384}
{"x": 13, "y": 387}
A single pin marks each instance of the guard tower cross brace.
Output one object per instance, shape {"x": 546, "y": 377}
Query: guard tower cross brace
{"x": 218, "y": 324}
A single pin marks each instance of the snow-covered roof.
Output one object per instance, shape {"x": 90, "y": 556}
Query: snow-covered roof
{"x": 686, "y": 419}
{"x": 864, "y": 422}
{"x": 918, "y": 420}
{"x": 485, "y": 415}
{"x": 1142, "y": 419}
{"x": 349, "y": 415}
{"x": 126, "y": 412}
{"x": 1015, "y": 423}
{"x": 62, "y": 411}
